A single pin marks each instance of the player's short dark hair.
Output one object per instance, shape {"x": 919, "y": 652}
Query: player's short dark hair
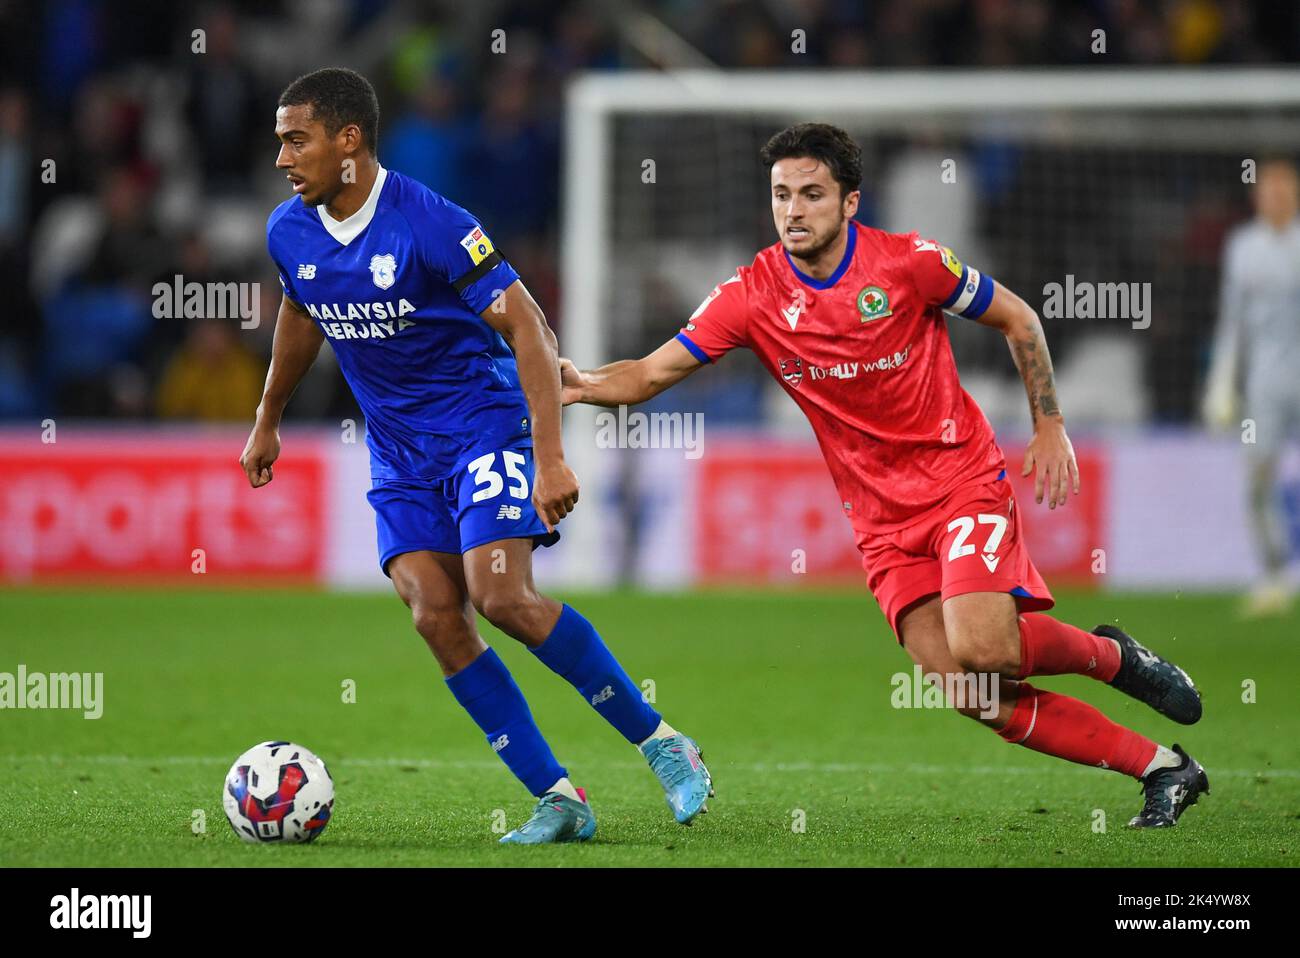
{"x": 825, "y": 143}
{"x": 337, "y": 98}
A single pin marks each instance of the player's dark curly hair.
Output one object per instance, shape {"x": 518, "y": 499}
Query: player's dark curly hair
{"x": 337, "y": 97}
{"x": 824, "y": 143}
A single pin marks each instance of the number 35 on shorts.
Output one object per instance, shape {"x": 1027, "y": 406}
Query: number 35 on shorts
{"x": 992, "y": 526}
{"x": 489, "y": 480}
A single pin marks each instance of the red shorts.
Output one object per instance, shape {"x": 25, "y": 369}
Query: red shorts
{"x": 970, "y": 542}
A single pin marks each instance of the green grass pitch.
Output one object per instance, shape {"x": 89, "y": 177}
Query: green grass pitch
{"x": 787, "y": 693}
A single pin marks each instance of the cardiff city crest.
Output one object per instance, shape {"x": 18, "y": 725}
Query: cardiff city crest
{"x": 383, "y": 269}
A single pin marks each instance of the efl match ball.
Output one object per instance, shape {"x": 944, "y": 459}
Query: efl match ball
{"x": 278, "y": 792}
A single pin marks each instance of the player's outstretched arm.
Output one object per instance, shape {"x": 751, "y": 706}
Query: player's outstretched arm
{"x": 296, "y": 344}
{"x": 517, "y": 317}
{"x": 628, "y": 381}
{"x": 1050, "y": 451}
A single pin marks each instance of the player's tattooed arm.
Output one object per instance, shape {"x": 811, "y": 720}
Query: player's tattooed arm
{"x": 1050, "y": 451}
{"x": 1029, "y": 350}
{"x": 628, "y": 381}
{"x": 520, "y": 321}
{"x": 295, "y": 347}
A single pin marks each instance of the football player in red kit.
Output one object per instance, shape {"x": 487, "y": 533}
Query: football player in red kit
{"x": 850, "y": 320}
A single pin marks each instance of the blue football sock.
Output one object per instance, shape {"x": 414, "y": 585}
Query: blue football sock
{"x": 487, "y": 691}
{"x": 574, "y": 651}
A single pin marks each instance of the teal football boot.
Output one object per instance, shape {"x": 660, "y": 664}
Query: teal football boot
{"x": 677, "y": 763}
{"x": 556, "y": 818}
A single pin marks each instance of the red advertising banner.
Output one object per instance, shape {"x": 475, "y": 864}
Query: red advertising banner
{"x": 768, "y": 511}
{"x": 1064, "y": 542}
{"x": 92, "y": 506}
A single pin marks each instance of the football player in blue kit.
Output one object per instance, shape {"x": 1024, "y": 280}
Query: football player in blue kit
{"x": 457, "y": 373}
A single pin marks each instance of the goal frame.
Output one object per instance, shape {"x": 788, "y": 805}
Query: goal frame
{"x": 592, "y": 100}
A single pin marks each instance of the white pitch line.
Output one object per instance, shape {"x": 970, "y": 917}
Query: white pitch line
{"x": 850, "y": 768}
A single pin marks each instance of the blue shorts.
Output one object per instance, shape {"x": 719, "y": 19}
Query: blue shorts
{"x": 488, "y": 497}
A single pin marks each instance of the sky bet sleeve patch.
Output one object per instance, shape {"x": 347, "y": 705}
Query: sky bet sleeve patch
{"x": 477, "y": 245}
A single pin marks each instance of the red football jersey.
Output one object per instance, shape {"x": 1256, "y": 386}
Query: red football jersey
{"x": 865, "y": 354}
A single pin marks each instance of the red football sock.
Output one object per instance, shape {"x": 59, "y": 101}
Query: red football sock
{"x": 1073, "y": 730}
{"x": 1051, "y": 647}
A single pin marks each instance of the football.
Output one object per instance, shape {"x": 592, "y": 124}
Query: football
{"x": 278, "y": 792}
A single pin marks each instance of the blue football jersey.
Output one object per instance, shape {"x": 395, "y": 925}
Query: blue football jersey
{"x": 397, "y": 288}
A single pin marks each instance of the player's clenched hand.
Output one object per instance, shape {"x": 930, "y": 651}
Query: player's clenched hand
{"x": 571, "y": 382}
{"x": 1050, "y": 451}
{"x": 555, "y": 492}
{"x": 260, "y": 453}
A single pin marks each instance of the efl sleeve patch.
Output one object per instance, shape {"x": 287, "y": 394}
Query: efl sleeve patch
{"x": 477, "y": 244}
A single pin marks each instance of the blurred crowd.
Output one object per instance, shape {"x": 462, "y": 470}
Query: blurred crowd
{"x": 136, "y": 145}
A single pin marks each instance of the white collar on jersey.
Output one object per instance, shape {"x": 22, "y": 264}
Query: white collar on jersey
{"x": 345, "y": 231}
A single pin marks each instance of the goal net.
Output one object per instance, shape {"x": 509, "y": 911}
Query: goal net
{"x": 1101, "y": 196}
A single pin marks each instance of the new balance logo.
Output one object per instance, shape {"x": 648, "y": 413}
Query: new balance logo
{"x": 500, "y": 743}
{"x": 509, "y": 512}
{"x": 604, "y": 695}
{"x": 306, "y": 270}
